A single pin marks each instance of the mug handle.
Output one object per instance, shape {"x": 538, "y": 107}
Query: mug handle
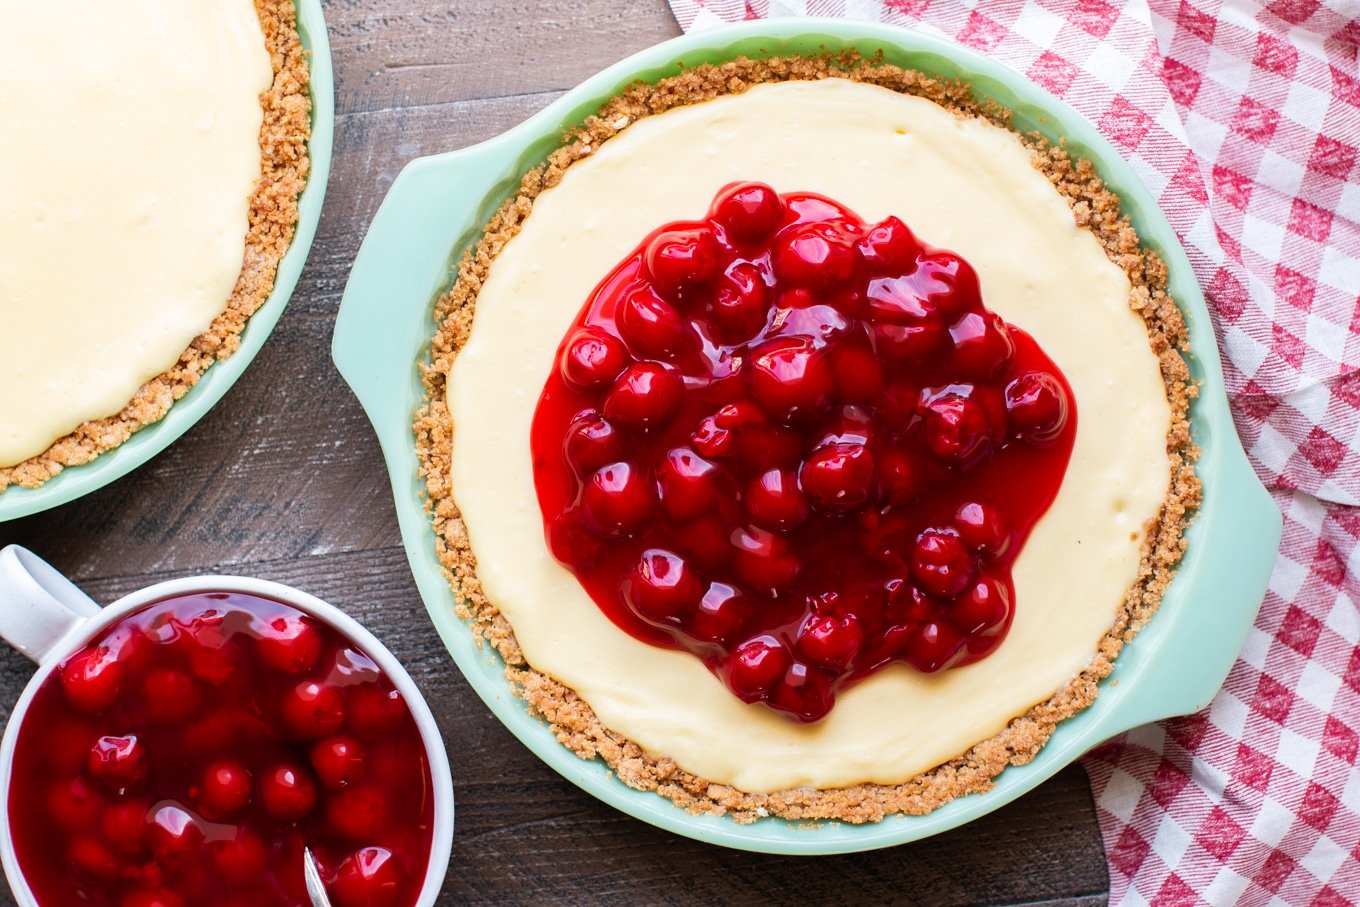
{"x": 38, "y": 605}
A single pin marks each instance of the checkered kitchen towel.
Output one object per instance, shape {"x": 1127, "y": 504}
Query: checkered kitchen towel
{"x": 1244, "y": 121}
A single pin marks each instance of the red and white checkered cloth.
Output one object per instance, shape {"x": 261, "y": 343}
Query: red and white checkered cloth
{"x": 1244, "y": 121}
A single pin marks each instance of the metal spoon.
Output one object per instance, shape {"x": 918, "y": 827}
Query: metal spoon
{"x": 315, "y": 890}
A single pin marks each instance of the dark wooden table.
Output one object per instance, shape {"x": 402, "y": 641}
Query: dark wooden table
{"x": 283, "y": 480}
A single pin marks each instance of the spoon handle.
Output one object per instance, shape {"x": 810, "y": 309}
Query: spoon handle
{"x": 315, "y": 890}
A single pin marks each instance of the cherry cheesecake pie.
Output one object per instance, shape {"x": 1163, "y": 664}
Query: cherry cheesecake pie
{"x": 807, "y": 441}
{"x": 152, "y": 159}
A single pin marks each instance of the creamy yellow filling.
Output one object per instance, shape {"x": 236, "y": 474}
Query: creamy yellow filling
{"x": 962, "y": 184}
{"x": 129, "y": 150}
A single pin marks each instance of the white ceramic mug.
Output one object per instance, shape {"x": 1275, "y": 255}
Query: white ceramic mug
{"x": 48, "y": 618}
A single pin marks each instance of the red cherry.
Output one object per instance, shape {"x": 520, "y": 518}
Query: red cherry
{"x": 618, "y": 500}
{"x": 92, "y": 681}
{"x": 941, "y": 564}
{"x": 957, "y": 428}
{"x": 902, "y": 476}
{"x": 717, "y": 435}
{"x": 645, "y": 396}
{"x": 839, "y": 478}
{"x": 774, "y": 500}
{"x": 338, "y": 761}
{"x": 823, "y": 324}
{"x": 805, "y": 693}
{"x": 804, "y": 206}
{"x": 949, "y": 282}
{"x": 859, "y": 373}
{"x": 357, "y": 813}
{"x": 690, "y": 485}
{"x": 982, "y": 527}
{"x": 897, "y": 300}
{"x": 755, "y": 667}
{"x": 290, "y": 643}
{"x": 849, "y": 425}
{"x": 661, "y": 587}
{"x": 592, "y": 359}
{"x": 207, "y": 626}
{"x": 1037, "y": 408}
{"x": 749, "y": 213}
{"x": 934, "y": 646}
{"x": 592, "y": 441}
{"x": 367, "y": 878}
{"x": 287, "y": 792}
{"x": 66, "y": 743}
{"x": 766, "y": 447}
{"x": 156, "y": 897}
{"x": 791, "y": 300}
{"x": 900, "y": 401}
{"x": 909, "y": 343}
{"x": 983, "y": 346}
{"x": 907, "y": 327}
{"x": 92, "y": 859}
{"x": 375, "y": 711}
{"x": 790, "y": 378}
{"x": 651, "y": 326}
{"x": 680, "y": 262}
{"x": 312, "y": 709}
{"x": 706, "y": 542}
{"x": 982, "y": 609}
{"x": 889, "y": 248}
{"x": 907, "y": 606}
{"x": 169, "y": 695}
{"x": 217, "y": 665}
{"x": 818, "y": 255}
{"x": 239, "y": 858}
{"x": 722, "y": 615}
{"x": 764, "y": 561}
{"x": 130, "y": 646}
{"x": 74, "y": 804}
{"x": 117, "y": 763}
{"x": 124, "y": 827}
{"x": 741, "y": 304}
{"x": 830, "y": 641}
{"x": 572, "y": 542}
{"x": 224, "y": 729}
{"x": 847, "y": 300}
{"x": 213, "y": 656}
{"x": 224, "y": 789}
{"x": 175, "y": 834}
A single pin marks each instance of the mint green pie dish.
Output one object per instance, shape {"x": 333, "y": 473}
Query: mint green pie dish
{"x": 435, "y": 209}
{"x": 75, "y": 481}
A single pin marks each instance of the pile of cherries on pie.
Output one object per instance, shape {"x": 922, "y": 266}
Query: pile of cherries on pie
{"x": 188, "y": 755}
{"x": 800, "y": 447}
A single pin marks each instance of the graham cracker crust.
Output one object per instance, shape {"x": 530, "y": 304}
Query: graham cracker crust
{"x": 572, "y": 720}
{"x": 284, "y": 166}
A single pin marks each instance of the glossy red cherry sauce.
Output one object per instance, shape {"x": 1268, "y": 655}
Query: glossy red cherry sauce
{"x": 800, "y": 447}
{"x": 186, "y": 756}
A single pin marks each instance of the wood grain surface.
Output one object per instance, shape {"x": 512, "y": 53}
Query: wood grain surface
{"x": 283, "y": 480}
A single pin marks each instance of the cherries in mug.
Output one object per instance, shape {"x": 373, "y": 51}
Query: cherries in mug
{"x": 187, "y": 753}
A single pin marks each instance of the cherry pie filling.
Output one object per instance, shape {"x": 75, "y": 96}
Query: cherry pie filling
{"x": 800, "y": 447}
{"x": 187, "y": 755}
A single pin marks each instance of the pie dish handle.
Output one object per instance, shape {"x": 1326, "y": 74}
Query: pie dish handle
{"x": 406, "y": 256}
{"x": 1231, "y": 552}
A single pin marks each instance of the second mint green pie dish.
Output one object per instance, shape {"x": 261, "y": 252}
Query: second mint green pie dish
{"x": 435, "y": 209}
{"x": 75, "y": 481}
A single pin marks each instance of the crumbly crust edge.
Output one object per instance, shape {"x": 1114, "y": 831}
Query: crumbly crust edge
{"x": 571, "y": 719}
{"x": 284, "y": 167}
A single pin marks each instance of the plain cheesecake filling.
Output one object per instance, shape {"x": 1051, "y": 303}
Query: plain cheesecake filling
{"x": 129, "y": 155}
{"x": 961, "y": 184}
